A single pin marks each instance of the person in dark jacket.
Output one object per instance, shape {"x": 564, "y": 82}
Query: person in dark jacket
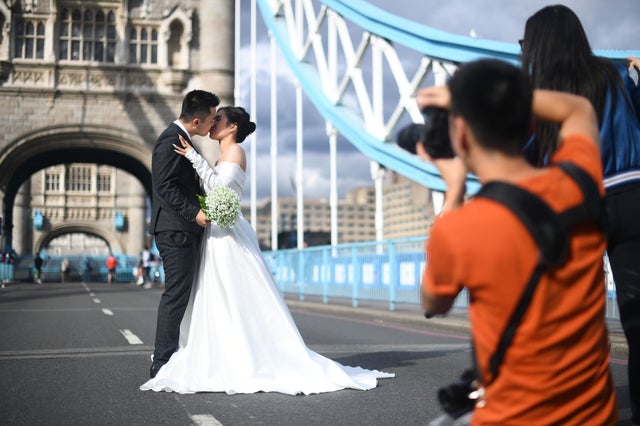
{"x": 557, "y": 55}
{"x": 37, "y": 266}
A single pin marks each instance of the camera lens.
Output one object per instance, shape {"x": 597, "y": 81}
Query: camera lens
{"x": 436, "y": 133}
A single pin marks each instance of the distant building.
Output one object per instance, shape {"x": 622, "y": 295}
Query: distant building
{"x": 408, "y": 209}
{"x": 72, "y": 195}
{"x": 408, "y": 212}
{"x": 356, "y": 218}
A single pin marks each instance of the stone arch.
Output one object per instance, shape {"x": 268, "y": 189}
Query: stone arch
{"x": 68, "y": 144}
{"x": 85, "y": 228}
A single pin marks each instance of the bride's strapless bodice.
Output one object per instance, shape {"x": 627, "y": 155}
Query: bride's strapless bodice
{"x": 231, "y": 175}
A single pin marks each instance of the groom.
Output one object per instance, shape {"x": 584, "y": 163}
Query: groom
{"x": 176, "y": 220}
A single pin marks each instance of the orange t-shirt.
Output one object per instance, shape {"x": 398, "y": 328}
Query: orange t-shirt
{"x": 556, "y": 370}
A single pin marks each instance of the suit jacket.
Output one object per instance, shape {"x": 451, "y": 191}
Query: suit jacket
{"x": 175, "y": 184}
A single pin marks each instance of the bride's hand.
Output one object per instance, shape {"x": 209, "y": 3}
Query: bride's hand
{"x": 184, "y": 149}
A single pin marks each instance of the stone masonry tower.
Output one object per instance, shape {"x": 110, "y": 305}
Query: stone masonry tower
{"x": 85, "y": 88}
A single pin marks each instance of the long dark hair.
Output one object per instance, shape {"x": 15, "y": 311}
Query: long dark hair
{"x": 241, "y": 118}
{"x": 557, "y": 55}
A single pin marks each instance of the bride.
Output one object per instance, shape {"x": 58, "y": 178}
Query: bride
{"x": 237, "y": 335}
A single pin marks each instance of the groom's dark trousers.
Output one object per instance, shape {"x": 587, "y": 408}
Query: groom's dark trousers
{"x": 178, "y": 250}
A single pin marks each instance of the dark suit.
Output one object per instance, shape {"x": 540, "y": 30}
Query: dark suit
{"x": 177, "y": 235}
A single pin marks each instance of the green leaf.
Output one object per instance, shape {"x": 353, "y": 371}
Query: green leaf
{"x": 203, "y": 203}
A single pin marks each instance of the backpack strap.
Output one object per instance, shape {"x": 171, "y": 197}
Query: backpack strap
{"x": 592, "y": 209}
{"x": 543, "y": 224}
{"x": 550, "y": 231}
{"x": 553, "y": 245}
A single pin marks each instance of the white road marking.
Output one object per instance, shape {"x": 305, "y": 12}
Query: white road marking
{"x": 92, "y": 294}
{"x": 131, "y": 338}
{"x": 107, "y": 312}
{"x": 205, "y": 420}
{"x": 96, "y": 300}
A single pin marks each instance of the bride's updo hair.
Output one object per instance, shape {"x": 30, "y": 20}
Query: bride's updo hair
{"x": 241, "y": 118}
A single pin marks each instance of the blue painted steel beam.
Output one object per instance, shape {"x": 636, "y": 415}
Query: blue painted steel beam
{"x": 436, "y": 43}
{"x": 348, "y": 124}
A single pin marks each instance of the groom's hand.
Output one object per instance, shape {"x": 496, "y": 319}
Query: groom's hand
{"x": 201, "y": 219}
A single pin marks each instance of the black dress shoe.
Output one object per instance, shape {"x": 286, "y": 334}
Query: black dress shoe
{"x": 155, "y": 367}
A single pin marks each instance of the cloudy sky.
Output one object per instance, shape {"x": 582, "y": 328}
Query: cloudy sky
{"x": 609, "y": 24}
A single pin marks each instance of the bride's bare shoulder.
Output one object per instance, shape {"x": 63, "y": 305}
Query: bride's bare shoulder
{"x": 235, "y": 154}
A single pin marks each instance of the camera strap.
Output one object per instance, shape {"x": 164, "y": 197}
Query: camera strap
{"x": 551, "y": 232}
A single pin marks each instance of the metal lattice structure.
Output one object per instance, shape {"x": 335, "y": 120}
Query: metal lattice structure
{"x": 344, "y": 53}
{"x": 316, "y": 39}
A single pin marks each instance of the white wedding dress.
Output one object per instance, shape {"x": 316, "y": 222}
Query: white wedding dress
{"x": 237, "y": 335}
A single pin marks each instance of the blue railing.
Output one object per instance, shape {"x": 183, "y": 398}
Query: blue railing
{"x": 6, "y": 272}
{"x": 82, "y": 268}
{"x": 388, "y": 271}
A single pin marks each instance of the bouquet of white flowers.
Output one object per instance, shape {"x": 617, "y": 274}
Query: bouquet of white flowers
{"x": 221, "y": 205}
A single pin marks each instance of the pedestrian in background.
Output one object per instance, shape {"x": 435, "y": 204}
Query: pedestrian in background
{"x": 111, "y": 268}
{"x": 146, "y": 265}
{"x": 88, "y": 268}
{"x": 138, "y": 270}
{"x": 557, "y": 55}
{"x": 37, "y": 267}
{"x": 64, "y": 270}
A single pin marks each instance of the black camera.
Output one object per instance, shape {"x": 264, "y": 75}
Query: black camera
{"x": 459, "y": 397}
{"x": 436, "y": 133}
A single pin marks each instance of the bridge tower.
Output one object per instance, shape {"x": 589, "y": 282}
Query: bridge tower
{"x": 85, "y": 88}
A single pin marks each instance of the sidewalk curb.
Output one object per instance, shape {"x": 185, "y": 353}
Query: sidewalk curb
{"x": 453, "y": 322}
{"x": 457, "y": 320}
